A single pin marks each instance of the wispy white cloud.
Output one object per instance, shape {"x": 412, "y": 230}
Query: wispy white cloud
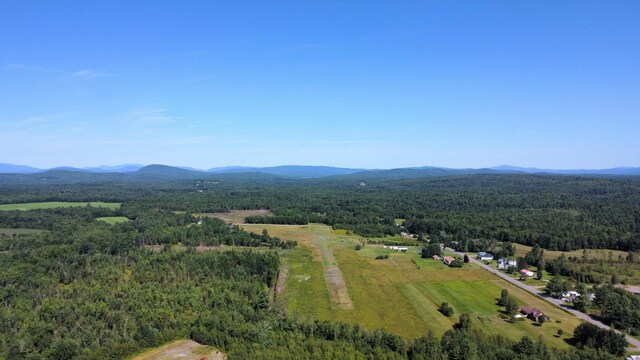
{"x": 23, "y": 67}
{"x": 79, "y": 74}
{"x": 152, "y": 116}
{"x": 89, "y": 74}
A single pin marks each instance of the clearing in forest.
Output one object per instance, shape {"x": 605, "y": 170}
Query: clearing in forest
{"x": 319, "y": 243}
{"x": 56, "y": 204}
{"x": 181, "y": 349}
{"x": 236, "y": 216}
{"x": 113, "y": 219}
{"x": 601, "y": 254}
{"x": 401, "y": 293}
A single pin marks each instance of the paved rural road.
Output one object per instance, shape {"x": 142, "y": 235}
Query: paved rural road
{"x": 557, "y": 302}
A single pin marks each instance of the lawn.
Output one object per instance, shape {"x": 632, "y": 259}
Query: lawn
{"x": 401, "y": 293}
{"x": 56, "y": 204}
{"x": 113, "y": 219}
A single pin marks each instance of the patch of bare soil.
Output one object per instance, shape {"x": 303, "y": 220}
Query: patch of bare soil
{"x": 337, "y": 288}
{"x": 278, "y": 288}
{"x": 237, "y": 216}
{"x": 182, "y": 349}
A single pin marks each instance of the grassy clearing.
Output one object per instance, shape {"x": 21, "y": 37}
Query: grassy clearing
{"x": 56, "y": 204}
{"x": 603, "y": 254}
{"x": 236, "y": 216}
{"x": 113, "y": 219}
{"x": 401, "y": 293}
{"x": 11, "y": 232}
{"x": 181, "y": 349}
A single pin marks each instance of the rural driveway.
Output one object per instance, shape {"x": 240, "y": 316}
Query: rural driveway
{"x": 557, "y": 302}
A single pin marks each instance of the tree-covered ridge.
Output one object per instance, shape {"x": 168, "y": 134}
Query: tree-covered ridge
{"x": 557, "y": 212}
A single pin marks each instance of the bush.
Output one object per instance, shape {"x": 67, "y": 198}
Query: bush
{"x": 382, "y": 257}
{"x": 445, "y": 309}
{"x": 457, "y": 263}
{"x": 358, "y": 247}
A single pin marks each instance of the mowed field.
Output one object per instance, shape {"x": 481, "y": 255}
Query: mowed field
{"x": 113, "y": 219}
{"x": 56, "y": 204}
{"x": 400, "y": 294}
{"x": 603, "y": 254}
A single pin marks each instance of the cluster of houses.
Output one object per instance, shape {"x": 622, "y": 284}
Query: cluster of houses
{"x": 397, "y": 248}
{"x": 569, "y": 296}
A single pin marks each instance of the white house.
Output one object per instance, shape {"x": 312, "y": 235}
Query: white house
{"x": 506, "y": 263}
{"x": 570, "y": 295}
{"x": 526, "y": 272}
{"x": 484, "y": 256}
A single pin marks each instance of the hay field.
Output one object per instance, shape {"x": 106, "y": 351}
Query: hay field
{"x": 402, "y": 293}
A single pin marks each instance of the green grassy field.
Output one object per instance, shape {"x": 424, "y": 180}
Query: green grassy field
{"x": 113, "y": 219}
{"x": 56, "y": 204}
{"x": 522, "y": 250}
{"x": 11, "y": 232}
{"x": 401, "y": 293}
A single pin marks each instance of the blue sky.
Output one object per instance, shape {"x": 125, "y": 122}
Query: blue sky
{"x": 358, "y": 84}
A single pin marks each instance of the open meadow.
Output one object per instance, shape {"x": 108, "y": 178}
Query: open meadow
{"x": 600, "y": 254}
{"x": 401, "y": 293}
{"x": 113, "y": 219}
{"x": 56, "y": 204}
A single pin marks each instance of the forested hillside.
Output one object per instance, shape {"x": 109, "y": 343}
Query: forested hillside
{"x": 89, "y": 290}
{"x": 557, "y": 212}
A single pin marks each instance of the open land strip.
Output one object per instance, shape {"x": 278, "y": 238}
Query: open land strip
{"x": 402, "y": 293}
{"x": 181, "y": 349}
{"x": 56, "y": 204}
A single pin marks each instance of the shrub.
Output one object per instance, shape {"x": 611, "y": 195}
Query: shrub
{"x": 445, "y": 309}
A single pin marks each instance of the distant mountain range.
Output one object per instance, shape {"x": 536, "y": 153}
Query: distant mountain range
{"x": 156, "y": 172}
{"x": 530, "y": 170}
{"x": 23, "y": 169}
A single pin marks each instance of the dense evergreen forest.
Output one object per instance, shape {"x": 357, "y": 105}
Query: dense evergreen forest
{"x": 557, "y": 212}
{"x": 89, "y": 290}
